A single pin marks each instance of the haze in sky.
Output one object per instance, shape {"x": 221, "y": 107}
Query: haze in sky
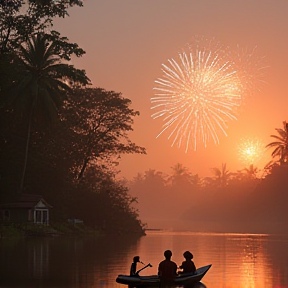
{"x": 127, "y": 41}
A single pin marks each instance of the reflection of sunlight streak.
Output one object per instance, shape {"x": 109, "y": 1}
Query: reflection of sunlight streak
{"x": 239, "y": 260}
{"x": 39, "y": 259}
{"x": 254, "y": 275}
{"x": 245, "y": 263}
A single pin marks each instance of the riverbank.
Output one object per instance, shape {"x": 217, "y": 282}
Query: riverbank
{"x": 54, "y": 230}
{"x": 57, "y": 229}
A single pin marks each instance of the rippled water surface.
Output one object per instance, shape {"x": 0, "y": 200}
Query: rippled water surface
{"x": 238, "y": 260}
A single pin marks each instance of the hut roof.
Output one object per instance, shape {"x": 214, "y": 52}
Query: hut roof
{"x": 26, "y": 201}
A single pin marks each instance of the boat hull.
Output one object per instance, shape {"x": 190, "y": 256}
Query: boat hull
{"x": 153, "y": 280}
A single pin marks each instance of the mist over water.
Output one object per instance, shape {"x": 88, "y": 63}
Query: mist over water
{"x": 240, "y": 205}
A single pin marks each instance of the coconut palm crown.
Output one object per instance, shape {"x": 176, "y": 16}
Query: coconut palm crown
{"x": 281, "y": 144}
{"x": 39, "y": 84}
{"x": 41, "y": 80}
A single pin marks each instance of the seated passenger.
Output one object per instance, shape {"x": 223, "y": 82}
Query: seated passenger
{"x": 167, "y": 269}
{"x": 188, "y": 265}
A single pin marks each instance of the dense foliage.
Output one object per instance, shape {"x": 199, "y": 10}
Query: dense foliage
{"x": 58, "y": 138}
{"x": 248, "y": 200}
{"x": 79, "y": 144}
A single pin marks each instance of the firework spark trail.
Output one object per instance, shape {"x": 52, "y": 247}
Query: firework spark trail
{"x": 251, "y": 68}
{"x": 197, "y": 95}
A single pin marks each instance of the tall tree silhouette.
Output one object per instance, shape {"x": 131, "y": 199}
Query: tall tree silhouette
{"x": 151, "y": 175}
{"x": 221, "y": 176}
{"x": 180, "y": 174}
{"x": 250, "y": 172}
{"x": 40, "y": 84}
{"x": 102, "y": 119}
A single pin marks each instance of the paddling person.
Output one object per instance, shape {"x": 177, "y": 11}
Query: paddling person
{"x": 188, "y": 265}
{"x": 167, "y": 269}
{"x": 133, "y": 268}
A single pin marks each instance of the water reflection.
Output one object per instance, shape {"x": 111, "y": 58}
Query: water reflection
{"x": 244, "y": 262}
{"x": 38, "y": 259}
{"x": 239, "y": 260}
{"x": 62, "y": 262}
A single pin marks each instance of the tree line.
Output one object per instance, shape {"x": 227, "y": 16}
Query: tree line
{"x": 248, "y": 200}
{"x": 60, "y": 137}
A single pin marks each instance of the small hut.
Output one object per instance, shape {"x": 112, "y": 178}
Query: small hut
{"x": 26, "y": 208}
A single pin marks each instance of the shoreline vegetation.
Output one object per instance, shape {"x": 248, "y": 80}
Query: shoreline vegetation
{"x": 58, "y": 229}
{"x": 63, "y": 138}
{"x": 59, "y": 135}
{"x": 241, "y": 205}
{"x": 71, "y": 230}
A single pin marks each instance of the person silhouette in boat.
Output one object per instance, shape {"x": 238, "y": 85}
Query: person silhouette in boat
{"x": 167, "y": 269}
{"x": 188, "y": 265}
{"x": 133, "y": 269}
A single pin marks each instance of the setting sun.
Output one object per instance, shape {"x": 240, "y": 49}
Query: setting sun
{"x": 157, "y": 131}
{"x": 251, "y": 150}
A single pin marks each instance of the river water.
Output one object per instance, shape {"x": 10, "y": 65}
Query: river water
{"x": 238, "y": 260}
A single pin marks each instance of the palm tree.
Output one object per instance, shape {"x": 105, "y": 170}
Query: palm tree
{"x": 154, "y": 178}
{"x": 196, "y": 180}
{"x": 250, "y": 172}
{"x": 152, "y": 174}
{"x": 180, "y": 174}
{"x": 221, "y": 176}
{"x": 281, "y": 145}
{"x": 40, "y": 83}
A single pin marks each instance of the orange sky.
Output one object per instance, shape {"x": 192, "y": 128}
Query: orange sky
{"x": 127, "y": 41}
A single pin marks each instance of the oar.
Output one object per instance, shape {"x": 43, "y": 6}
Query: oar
{"x": 148, "y": 265}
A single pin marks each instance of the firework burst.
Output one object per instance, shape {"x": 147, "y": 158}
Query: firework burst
{"x": 199, "y": 93}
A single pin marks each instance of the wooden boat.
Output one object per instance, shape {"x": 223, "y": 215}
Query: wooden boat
{"x": 153, "y": 280}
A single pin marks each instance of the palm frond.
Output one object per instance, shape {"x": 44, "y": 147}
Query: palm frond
{"x": 281, "y": 150}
